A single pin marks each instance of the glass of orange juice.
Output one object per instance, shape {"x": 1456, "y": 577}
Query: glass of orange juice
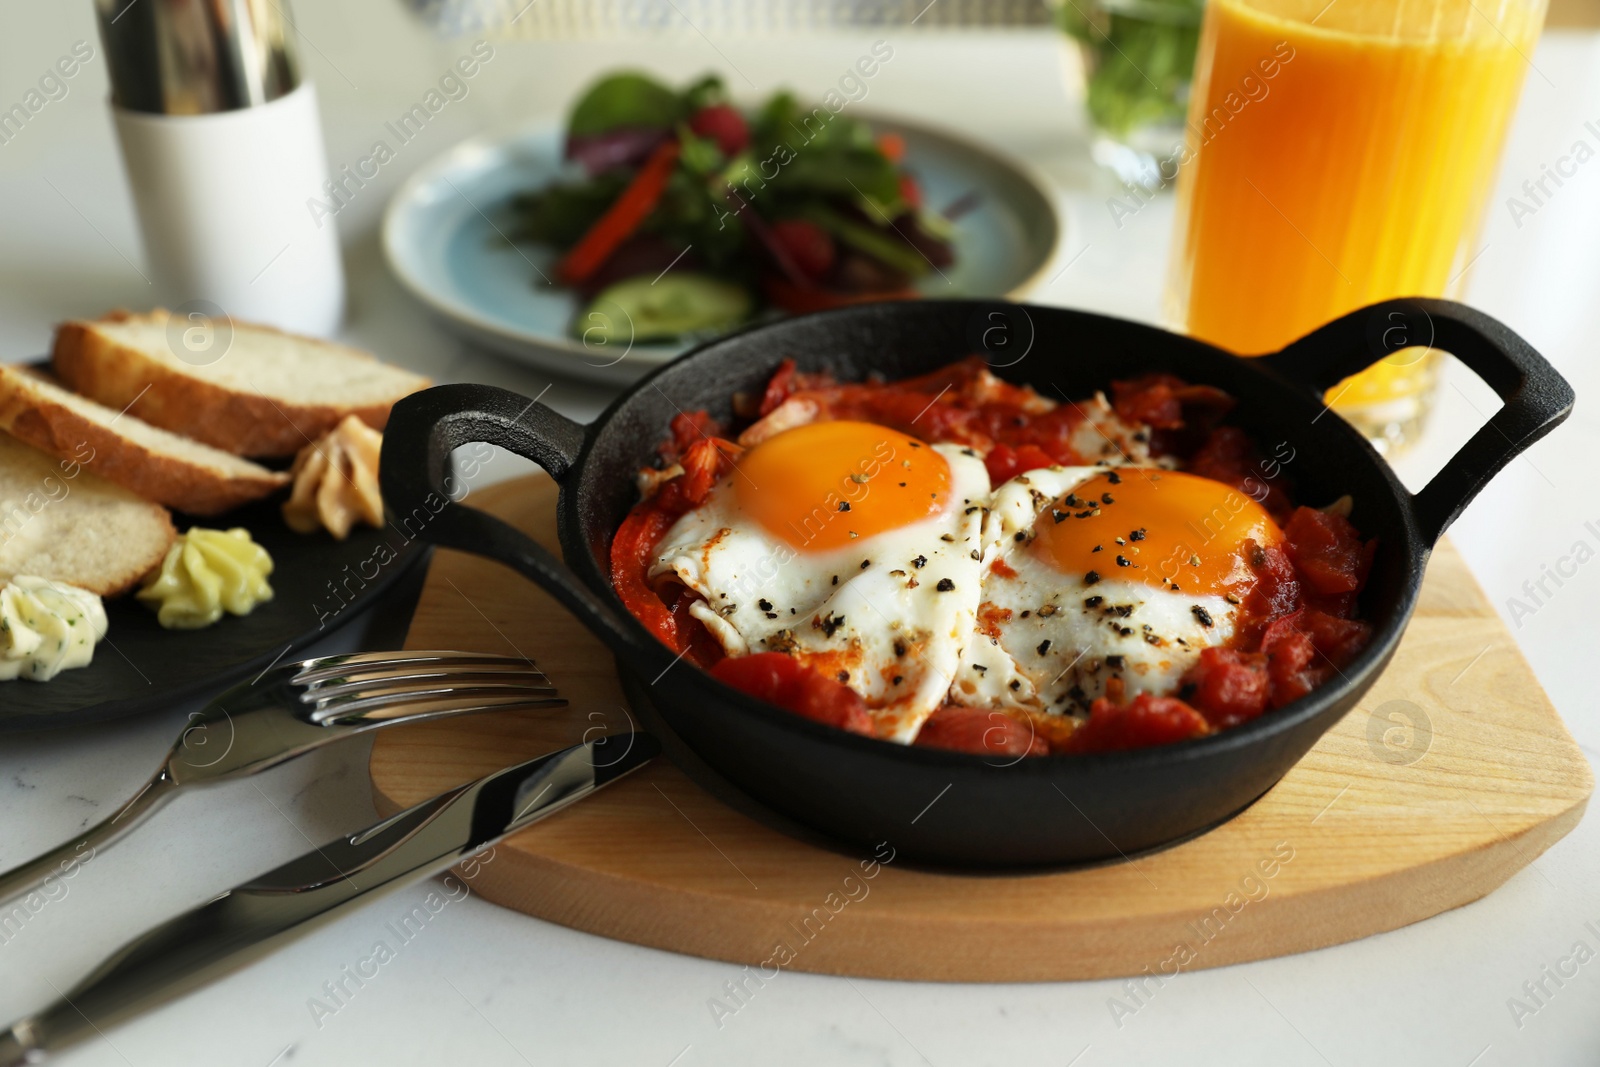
{"x": 1341, "y": 152}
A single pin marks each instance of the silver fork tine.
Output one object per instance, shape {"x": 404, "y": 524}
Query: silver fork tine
{"x": 423, "y": 709}
{"x": 292, "y": 709}
{"x": 346, "y": 699}
{"x": 408, "y": 679}
{"x": 421, "y": 683}
{"x": 315, "y": 670}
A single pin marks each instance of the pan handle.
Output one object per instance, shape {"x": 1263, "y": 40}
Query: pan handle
{"x": 422, "y": 501}
{"x": 1536, "y": 397}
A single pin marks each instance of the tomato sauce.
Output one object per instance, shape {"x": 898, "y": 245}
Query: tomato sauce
{"x": 1296, "y": 628}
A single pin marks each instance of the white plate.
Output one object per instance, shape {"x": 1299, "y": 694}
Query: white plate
{"x": 444, "y": 236}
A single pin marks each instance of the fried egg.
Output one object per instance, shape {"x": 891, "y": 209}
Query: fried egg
{"x": 853, "y": 547}
{"x": 1093, "y": 574}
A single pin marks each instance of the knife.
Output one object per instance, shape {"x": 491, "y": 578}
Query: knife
{"x": 250, "y": 920}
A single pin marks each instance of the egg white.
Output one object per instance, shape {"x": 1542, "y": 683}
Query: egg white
{"x": 889, "y": 614}
{"x": 1059, "y": 646}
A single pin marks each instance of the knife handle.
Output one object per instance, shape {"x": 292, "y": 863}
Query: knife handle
{"x": 175, "y": 958}
{"x": 252, "y": 919}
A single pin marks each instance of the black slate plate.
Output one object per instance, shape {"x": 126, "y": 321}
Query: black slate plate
{"x": 319, "y": 583}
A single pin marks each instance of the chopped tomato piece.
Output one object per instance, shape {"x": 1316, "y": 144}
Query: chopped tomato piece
{"x": 1275, "y": 593}
{"x": 893, "y": 146}
{"x": 1151, "y": 399}
{"x": 785, "y": 681}
{"x": 1143, "y": 721}
{"x": 706, "y": 460}
{"x": 1336, "y": 638}
{"x": 1005, "y": 462}
{"x": 1180, "y": 415}
{"x": 1327, "y": 550}
{"x": 963, "y": 403}
{"x": 1228, "y": 687}
{"x": 982, "y": 732}
{"x": 688, "y": 427}
{"x": 1299, "y": 651}
{"x": 779, "y": 386}
{"x": 1291, "y": 660}
{"x": 1229, "y": 456}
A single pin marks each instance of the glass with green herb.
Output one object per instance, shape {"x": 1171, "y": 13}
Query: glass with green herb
{"x": 1138, "y": 59}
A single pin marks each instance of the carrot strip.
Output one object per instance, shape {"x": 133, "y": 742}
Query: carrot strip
{"x": 622, "y": 218}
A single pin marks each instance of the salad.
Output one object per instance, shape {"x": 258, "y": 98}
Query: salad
{"x": 693, "y": 216}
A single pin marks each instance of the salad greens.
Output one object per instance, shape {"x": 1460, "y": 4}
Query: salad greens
{"x": 788, "y": 207}
{"x": 625, "y": 100}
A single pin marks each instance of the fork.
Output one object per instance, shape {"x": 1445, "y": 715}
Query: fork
{"x": 290, "y": 710}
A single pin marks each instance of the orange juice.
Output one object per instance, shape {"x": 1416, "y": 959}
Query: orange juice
{"x": 1339, "y": 154}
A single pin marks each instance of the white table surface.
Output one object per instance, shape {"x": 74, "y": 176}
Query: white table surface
{"x": 485, "y": 985}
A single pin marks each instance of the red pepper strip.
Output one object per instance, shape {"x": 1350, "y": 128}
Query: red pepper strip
{"x": 633, "y": 549}
{"x": 622, "y": 218}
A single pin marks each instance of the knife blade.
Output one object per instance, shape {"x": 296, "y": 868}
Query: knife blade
{"x": 250, "y": 920}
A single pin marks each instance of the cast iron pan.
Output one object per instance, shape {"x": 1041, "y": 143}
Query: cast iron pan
{"x": 951, "y": 808}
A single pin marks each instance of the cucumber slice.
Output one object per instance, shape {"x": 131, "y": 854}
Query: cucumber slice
{"x": 645, "y": 310}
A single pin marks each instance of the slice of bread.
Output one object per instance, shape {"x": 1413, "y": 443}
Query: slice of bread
{"x": 61, "y": 522}
{"x": 153, "y": 463}
{"x": 267, "y": 394}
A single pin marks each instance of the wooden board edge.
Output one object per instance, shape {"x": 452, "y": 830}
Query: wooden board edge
{"x": 917, "y": 948}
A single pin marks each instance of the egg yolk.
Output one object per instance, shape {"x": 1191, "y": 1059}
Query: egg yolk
{"x": 827, "y": 484}
{"x": 1164, "y": 528}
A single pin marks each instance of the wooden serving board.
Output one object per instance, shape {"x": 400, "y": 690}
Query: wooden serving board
{"x": 1452, "y": 774}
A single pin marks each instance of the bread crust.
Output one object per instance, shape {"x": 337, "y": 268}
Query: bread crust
{"x": 58, "y": 430}
{"x": 245, "y": 424}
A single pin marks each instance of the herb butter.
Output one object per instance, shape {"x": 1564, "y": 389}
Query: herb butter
{"x": 47, "y": 627}
{"x": 207, "y": 572}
